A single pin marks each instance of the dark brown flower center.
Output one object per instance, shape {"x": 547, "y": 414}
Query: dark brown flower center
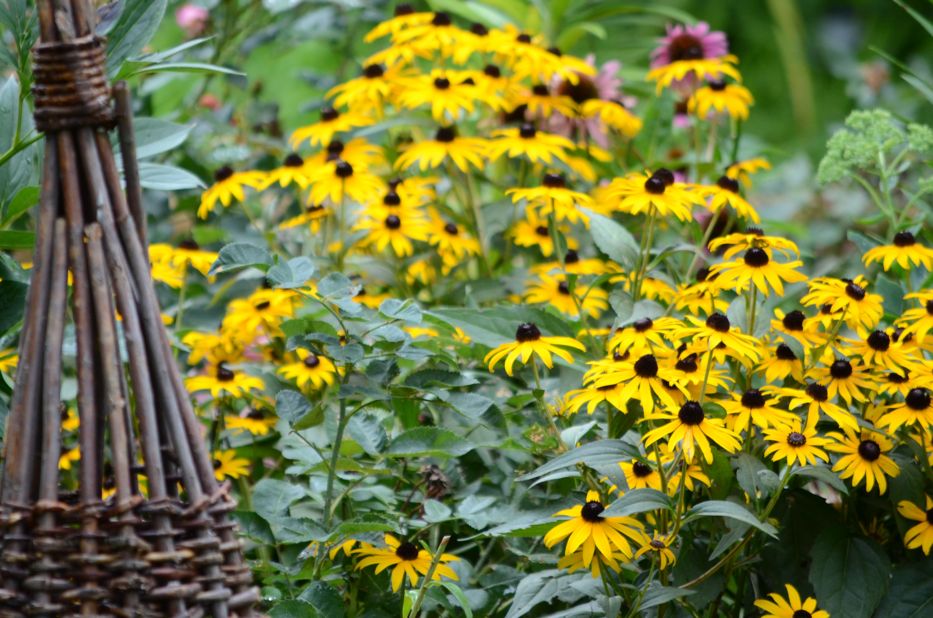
{"x": 930, "y": 516}
{"x": 729, "y": 184}
{"x": 641, "y": 469}
{"x": 756, "y": 257}
{"x": 540, "y": 90}
{"x": 343, "y": 169}
{"x": 718, "y": 322}
{"x": 404, "y": 9}
{"x": 591, "y": 510}
{"x": 793, "y": 320}
{"x": 479, "y": 29}
{"x": 584, "y": 90}
{"x": 256, "y": 414}
{"x": 451, "y": 228}
{"x": 393, "y": 222}
{"x": 642, "y": 325}
{"x": 801, "y": 613}
{"x": 391, "y": 199}
{"x": 329, "y": 114}
{"x": 716, "y": 85}
{"x": 223, "y": 173}
{"x": 655, "y": 186}
{"x": 904, "y": 239}
{"x": 492, "y": 70}
{"x": 840, "y": 369}
{"x": 189, "y": 244}
{"x": 753, "y": 398}
{"x": 918, "y": 399}
{"x": 542, "y": 230}
{"x": 442, "y": 83}
{"x": 441, "y": 19}
{"x": 897, "y": 378}
{"x": 796, "y": 439}
{"x": 563, "y": 288}
{"x": 524, "y": 37}
{"x": 687, "y": 364}
{"x": 817, "y": 392}
{"x": 657, "y": 544}
{"x": 373, "y": 71}
{"x": 311, "y": 360}
{"x": 554, "y": 181}
{"x": 647, "y": 366}
{"x": 293, "y": 160}
{"x": 407, "y": 551}
{"x": 445, "y": 134}
{"x": 223, "y": 374}
{"x": 527, "y": 332}
{"x": 334, "y": 149}
{"x": 929, "y": 306}
{"x": 527, "y": 131}
{"x": 262, "y": 305}
{"x": 685, "y": 47}
{"x": 784, "y": 353}
{"x": 691, "y": 413}
{"x": 666, "y": 175}
{"x": 869, "y": 450}
{"x": 855, "y": 291}
{"x": 879, "y": 340}
{"x": 571, "y": 257}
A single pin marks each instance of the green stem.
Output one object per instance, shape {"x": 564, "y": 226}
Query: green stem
{"x": 334, "y": 457}
{"x": 422, "y": 590}
{"x": 645, "y": 254}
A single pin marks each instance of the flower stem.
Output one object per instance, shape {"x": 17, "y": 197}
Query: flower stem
{"x": 422, "y": 590}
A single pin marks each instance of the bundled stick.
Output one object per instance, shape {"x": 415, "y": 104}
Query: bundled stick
{"x": 163, "y": 544}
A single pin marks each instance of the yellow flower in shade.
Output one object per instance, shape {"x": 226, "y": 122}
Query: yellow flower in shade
{"x": 700, "y": 297}
{"x": 421, "y": 271}
{"x": 367, "y": 298}
{"x": 542, "y": 103}
{"x": 357, "y": 152}
{"x": 213, "y": 347}
{"x": 780, "y": 363}
{"x": 652, "y": 193}
{"x": 222, "y": 381}
{"x": 639, "y": 475}
{"x": 591, "y": 397}
{"x": 418, "y": 190}
{"x": 292, "y": 171}
{"x": 864, "y": 458}
{"x": 575, "y": 265}
{"x": 313, "y": 216}
{"x": 815, "y": 398}
{"x": 554, "y": 291}
{"x": 405, "y": 17}
{"x": 792, "y": 607}
{"x": 701, "y": 68}
{"x": 642, "y": 378}
{"x": 338, "y": 180}
{"x": 718, "y": 97}
{"x": 395, "y": 231}
{"x": 331, "y": 123}
{"x": 311, "y": 370}
{"x": 757, "y": 268}
{"x": 742, "y": 170}
{"x": 918, "y": 321}
{"x": 614, "y": 115}
{"x": 255, "y": 421}
{"x": 169, "y": 274}
{"x": 718, "y": 333}
{"x": 659, "y": 547}
{"x": 795, "y": 444}
{"x": 8, "y": 360}
{"x": 752, "y": 238}
{"x": 421, "y": 331}
{"x": 428, "y": 154}
{"x": 880, "y": 351}
{"x": 845, "y": 379}
{"x": 916, "y": 409}
{"x": 529, "y": 342}
{"x": 406, "y": 559}
{"x": 448, "y": 93}
{"x": 532, "y": 231}
{"x": 796, "y": 324}
{"x": 861, "y": 309}
{"x": 263, "y": 311}
{"x": 228, "y": 186}
{"x": 554, "y": 196}
{"x": 375, "y": 85}
{"x": 905, "y": 251}
{"x": 187, "y": 253}
{"x": 690, "y": 429}
{"x": 70, "y": 420}
{"x": 726, "y": 193}
{"x": 451, "y": 241}
{"x": 920, "y": 535}
{"x": 68, "y": 458}
{"x": 494, "y": 89}
{"x": 752, "y": 407}
{"x": 645, "y": 334}
{"x": 588, "y": 532}
{"x": 228, "y": 466}
{"x": 528, "y": 142}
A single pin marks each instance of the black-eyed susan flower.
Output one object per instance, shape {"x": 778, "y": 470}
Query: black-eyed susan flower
{"x": 791, "y": 607}
{"x": 330, "y": 124}
{"x": 864, "y": 458}
{"x": 652, "y": 288}
{"x": 313, "y": 216}
{"x": 542, "y": 102}
{"x": 165, "y": 272}
{"x": 375, "y": 85}
{"x": 717, "y": 331}
{"x": 228, "y": 466}
{"x": 395, "y": 231}
{"x": 68, "y": 458}
{"x": 905, "y": 251}
{"x": 464, "y": 152}
{"x": 574, "y": 562}
{"x": 311, "y": 370}
{"x": 781, "y": 362}
{"x": 916, "y": 409}
{"x": 590, "y": 397}
{"x": 403, "y": 18}
{"x": 255, "y": 421}
{"x": 262, "y": 312}
{"x": 758, "y": 269}
{"x": 530, "y": 143}
{"x": 921, "y": 535}
{"x": 709, "y": 69}
{"x": 652, "y": 194}
{"x": 879, "y": 351}
{"x": 643, "y": 378}
{"x": 726, "y": 193}
{"x": 918, "y": 321}
{"x": 846, "y": 379}
{"x": 743, "y": 170}
{"x": 496, "y": 89}
{"x": 453, "y": 243}
{"x": 187, "y": 253}
{"x": 692, "y": 370}
{"x": 588, "y": 532}
{"x": 719, "y": 97}
{"x": 222, "y": 381}
{"x": 659, "y": 548}
{"x": 215, "y": 347}
{"x": 794, "y": 443}
{"x": 690, "y": 429}
{"x": 613, "y": 114}
{"x": 553, "y": 196}
{"x": 555, "y": 291}
{"x": 8, "y": 360}
{"x": 366, "y": 297}
{"x": 703, "y": 296}
{"x": 795, "y": 324}
{"x": 646, "y": 334}
{"x": 754, "y": 407}
{"x": 338, "y": 180}
{"x": 576, "y": 265}
{"x": 894, "y": 384}
{"x": 406, "y": 559}
{"x": 447, "y": 93}
{"x": 292, "y": 171}
{"x": 530, "y": 342}
{"x": 639, "y": 475}
{"x": 814, "y": 397}
{"x": 861, "y": 308}
{"x": 753, "y": 238}
{"x": 533, "y": 231}
{"x": 228, "y": 187}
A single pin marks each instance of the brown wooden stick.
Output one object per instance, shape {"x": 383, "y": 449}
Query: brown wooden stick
{"x": 134, "y": 197}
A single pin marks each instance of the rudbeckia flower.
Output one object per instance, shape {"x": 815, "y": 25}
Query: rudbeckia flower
{"x": 554, "y": 291}
{"x": 614, "y": 115}
{"x": 690, "y": 429}
{"x": 792, "y": 607}
{"x": 639, "y": 475}
{"x": 905, "y": 251}
{"x": 574, "y": 562}
{"x": 845, "y": 379}
{"x": 780, "y": 363}
{"x": 861, "y": 309}
{"x": 164, "y": 272}
{"x": 464, "y": 152}
{"x": 394, "y": 231}
{"x": 187, "y": 253}
{"x": 645, "y": 334}
{"x": 526, "y": 141}
{"x": 256, "y": 422}
{"x": 528, "y": 342}
{"x": 228, "y": 186}
{"x": 915, "y": 409}
{"x": 292, "y": 171}
{"x": 652, "y": 193}
{"x": 403, "y": 18}
{"x": 643, "y": 379}
{"x": 228, "y": 466}
{"x": 554, "y": 196}
{"x": 795, "y": 324}
{"x": 447, "y": 93}
{"x": 718, "y": 97}
{"x": 262, "y": 312}
{"x": 452, "y": 242}
{"x": 742, "y": 170}
{"x": 726, "y": 193}
{"x": 311, "y": 370}
{"x": 752, "y": 407}
{"x": 371, "y": 90}
{"x": 587, "y": 531}
{"x": 214, "y": 347}
{"x": 710, "y": 69}
{"x": 815, "y": 397}
{"x": 752, "y": 238}
{"x": 533, "y": 231}
{"x": 864, "y": 458}
{"x": 331, "y": 123}
{"x": 222, "y": 381}
{"x": 406, "y": 559}
{"x": 700, "y": 297}
{"x": 717, "y": 331}
{"x": 541, "y": 102}
{"x": 757, "y": 268}
{"x": 659, "y": 548}
{"x": 918, "y": 321}
{"x": 313, "y": 216}
{"x": 921, "y": 535}
{"x": 338, "y": 180}
{"x": 795, "y": 444}
{"x": 878, "y": 350}
{"x": 8, "y": 360}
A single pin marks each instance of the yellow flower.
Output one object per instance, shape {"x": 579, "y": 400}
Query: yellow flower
{"x": 815, "y": 397}
{"x": 752, "y": 407}
{"x": 169, "y": 274}
{"x": 464, "y": 152}
{"x": 451, "y": 241}
{"x": 652, "y": 193}
{"x": 555, "y": 291}
{"x": 331, "y": 123}
{"x": 228, "y": 466}
{"x": 526, "y": 141}
{"x": 532, "y": 231}
{"x": 905, "y": 251}
{"x": 338, "y": 180}
{"x": 643, "y": 378}
{"x": 753, "y": 238}
{"x": 701, "y": 68}
{"x": 864, "y": 458}
{"x": 717, "y": 96}
{"x": 256, "y": 422}
{"x": 795, "y": 444}
{"x": 405, "y": 558}
{"x": 726, "y": 193}
{"x": 690, "y": 428}
{"x": 920, "y": 535}
{"x": 222, "y": 381}
{"x": 311, "y": 369}
{"x": 187, "y": 253}
{"x": 639, "y": 475}
{"x": 448, "y": 93}
{"x": 793, "y": 607}
{"x": 554, "y": 196}
{"x": 860, "y": 309}
{"x": 848, "y": 380}
{"x": 8, "y": 360}
{"x": 228, "y": 186}
{"x": 394, "y": 231}
{"x": 312, "y": 216}
{"x": 742, "y": 170}
{"x": 915, "y": 409}
{"x": 263, "y": 311}
{"x": 645, "y": 335}
{"x": 614, "y": 115}
{"x": 371, "y": 90}
{"x": 292, "y": 171}
{"x": 757, "y": 268}
{"x": 659, "y": 546}
{"x": 529, "y": 342}
{"x": 587, "y": 531}
{"x": 780, "y": 363}
{"x": 214, "y": 347}
{"x": 918, "y": 321}
{"x": 68, "y": 458}
{"x": 718, "y": 333}
{"x": 404, "y": 17}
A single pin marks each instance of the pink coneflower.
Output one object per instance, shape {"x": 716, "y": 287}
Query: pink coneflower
{"x": 605, "y": 85}
{"x": 192, "y": 19}
{"x": 689, "y": 43}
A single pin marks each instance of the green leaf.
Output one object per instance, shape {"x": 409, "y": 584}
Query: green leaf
{"x": 272, "y": 497}
{"x": 471, "y": 11}
{"x": 22, "y": 168}
{"x": 165, "y": 54}
{"x": 161, "y": 177}
{"x": 436, "y": 512}
{"x": 241, "y": 255}
{"x": 291, "y": 405}
{"x": 291, "y": 274}
{"x": 923, "y": 21}
{"x": 911, "y": 592}
{"x": 136, "y": 25}
{"x": 406, "y": 311}
{"x": 753, "y": 477}
{"x": 366, "y": 430}
{"x": 326, "y": 599}
{"x": 593, "y": 454}
{"x": 614, "y": 240}
{"x": 659, "y": 595}
{"x": 12, "y": 303}
{"x": 824, "y": 475}
{"x": 15, "y": 239}
{"x": 849, "y": 575}
{"x": 494, "y": 326}
{"x": 639, "y": 501}
{"x": 460, "y": 597}
{"x": 731, "y": 510}
{"x": 155, "y": 136}
{"x": 25, "y": 198}
{"x": 294, "y": 609}
{"x": 178, "y": 67}
{"x": 253, "y": 527}
{"x": 428, "y": 442}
